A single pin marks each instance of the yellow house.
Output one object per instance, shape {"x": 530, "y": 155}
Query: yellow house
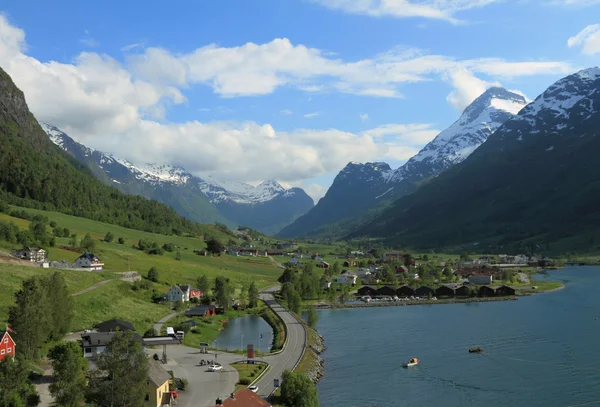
{"x": 158, "y": 386}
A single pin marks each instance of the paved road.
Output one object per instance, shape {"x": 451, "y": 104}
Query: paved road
{"x": 204, "y": 387}
{"x": 293, "y": 351}
{"x": 92, "y": 287}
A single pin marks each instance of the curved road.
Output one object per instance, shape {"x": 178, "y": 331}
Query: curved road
{"x": 293, "y": 351}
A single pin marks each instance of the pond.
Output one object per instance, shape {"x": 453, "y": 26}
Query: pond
{"x": 240, "y": 332}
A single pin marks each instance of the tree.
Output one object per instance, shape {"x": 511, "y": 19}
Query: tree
{"x": 288, "y": 276}
{"x": 297, "y": 390}
{"x": 213, "y": 246}
{"x": 87, "y": 243}
{"x": 178, "y": 306}
{"x": 66, "y": 232}
{"x": 244, "y": 293}
{"x": 252, "y": 295}
{"x": 223, "y": 292}
{"x": 52, "y": 224}
{"x": 60, "y": 305}
{"x": 30, "y": 317}
{"x": 375, "y": 253}
{"x": 109, "y": 237}
{"x": 16, "y": 389}
{"x": 408, "y": 259}
{"x": 464, "y": 256}
{"x": 203, "y": 284}
{"x": 121, "y": 240}
{"x": 344, "y": 294}
{"x": 294, "y": 301}
{"x": 121, "y": 374}
{"x": 153, "y": 274}
{"x": 69, "y": 366}
{"x": 312, "y": 317}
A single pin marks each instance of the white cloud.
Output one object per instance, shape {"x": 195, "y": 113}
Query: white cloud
{"x": 432, "y": 9}
{"x": 87, "y": 40}
{"x": 315, "y": 191}
{"x": 286, "y": 112}
{"x": 311, "y": 115}
{"x": 115, "y": 107}
{"x": 260, "y": 69}
{"x": 581, "y": 3}
{"x": 588, "y": 39}
{"x": 363, "y": 116}
{"x": 467, "y": 87}
{"x": 129, "y": 47}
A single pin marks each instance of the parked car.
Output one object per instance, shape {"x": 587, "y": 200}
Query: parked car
{"x": 215, "y": 368}
{"x": 253, "y": 388}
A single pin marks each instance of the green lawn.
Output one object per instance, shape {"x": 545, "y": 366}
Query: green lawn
{"x": 12, "y": 276}
{"x": 117, "y": 300}
{"x": 247, "y": 374}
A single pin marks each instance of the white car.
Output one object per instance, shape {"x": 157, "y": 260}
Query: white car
{"x": 253, "y": 388}
{"x": 215, "y": 368}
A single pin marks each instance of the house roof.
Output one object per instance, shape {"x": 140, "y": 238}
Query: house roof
{"x": 89, "y": 256}
{"x": 199, "y": 310}
{"x": 246, "y": 398}
{"x": 32, "y": 249}
{"x": 102, "y": 338}
{"x": 156, "y": 373}
{"x": 113, "y": 325}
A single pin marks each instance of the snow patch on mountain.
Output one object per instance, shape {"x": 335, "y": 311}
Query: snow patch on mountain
{"x": 453, "y": 145}
{"x": 218, "y": 191}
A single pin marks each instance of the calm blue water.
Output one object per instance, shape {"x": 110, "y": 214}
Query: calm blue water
{"x": 240, "y": 332}
{"x": 542, "y": 350}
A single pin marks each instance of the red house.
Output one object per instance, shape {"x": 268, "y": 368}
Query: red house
{"x": 7, "y": 345}
{"x": 194, "y": 293}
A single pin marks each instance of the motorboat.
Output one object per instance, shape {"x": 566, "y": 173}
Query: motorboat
{"x": 476, "y": 349}
{"x": 411, "y": 362}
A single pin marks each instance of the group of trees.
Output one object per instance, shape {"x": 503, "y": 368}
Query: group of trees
{"x": 297, "y": 390}
{"x": 224, "y": 289}
{"x": 149, "y": 247}
{"x": 35, "y": 235}
{"x": 42, "y": 312}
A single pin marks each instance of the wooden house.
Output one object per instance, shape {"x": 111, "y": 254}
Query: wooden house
{"x": 485, "y": 291}
{"x": 424, "y": 291}
{"x": 462, "y": 291}
{"x": 366, "y": 290}
{"x": 445, "y": 291}
{"x": 505, "y": 291}
{"x": 405, "y": 291}
{"x": 387, "y": 291}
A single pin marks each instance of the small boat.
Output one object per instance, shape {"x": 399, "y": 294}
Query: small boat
{"x": 411, "y": 362}
{"x": 476, "y": 349}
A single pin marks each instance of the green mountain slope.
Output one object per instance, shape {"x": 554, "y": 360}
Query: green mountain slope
{"x": 36, "y": 173}
{"x": 534, "y": 182}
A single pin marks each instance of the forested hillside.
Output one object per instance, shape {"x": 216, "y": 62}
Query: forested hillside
{"x": 35, "y": 173}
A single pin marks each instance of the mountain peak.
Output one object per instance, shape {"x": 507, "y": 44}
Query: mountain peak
{"x": 496, "y": 98}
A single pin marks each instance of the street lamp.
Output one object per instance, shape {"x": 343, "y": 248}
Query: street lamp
{"x": 216, "y": 354}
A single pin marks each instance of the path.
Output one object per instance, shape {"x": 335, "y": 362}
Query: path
{"x": 93, "y": 287}
{"x": 159, "y": 324}
{"x": 42, "y": 385}
{"x": 281, "y": 266}
{"x": 293, "y": 351}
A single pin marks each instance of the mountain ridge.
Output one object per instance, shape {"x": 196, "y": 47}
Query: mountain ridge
{"x": 450, "y": 147}
{"x": 205, "y": 200}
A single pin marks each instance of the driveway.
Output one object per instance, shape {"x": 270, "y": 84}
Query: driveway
{"x": 158, "y": 326}
{"x": 204, "y": 387}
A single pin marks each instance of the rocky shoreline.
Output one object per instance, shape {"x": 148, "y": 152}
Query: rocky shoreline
{"x": 317, "y": 370}
{"x": 406, "y": 303}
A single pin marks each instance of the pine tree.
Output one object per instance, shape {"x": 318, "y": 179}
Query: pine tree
{"x": 16, "y": 389}
{"x": 312, "y": 318}
{"x": 60, "y": 305}
{"x": 203, "y": 284}
{"x": 69, "y": 366}
{"x": 252, "y": 295}
{"x": 121, "y": 374}
{"x": 30, "y": 317}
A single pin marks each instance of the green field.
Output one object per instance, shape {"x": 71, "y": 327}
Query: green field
{"x": 117, "y": 299}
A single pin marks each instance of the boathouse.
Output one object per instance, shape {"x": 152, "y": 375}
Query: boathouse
{"x": 463, "y": 291}
{"x": 444, "y": 291}
{"x": 366, "y": 290}
{"x": 485, "y": 291}
{"x": 386, "y": 290}
{"x": 424, "y": 291}
{"x": 505, "y": 291}
{"x": 405, "y": 291}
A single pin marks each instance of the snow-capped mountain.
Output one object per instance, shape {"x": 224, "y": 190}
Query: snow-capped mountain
{"x": 533, "y": 183}
{"x": 360, "y": 188}
{"x": 267, "y": 207}
{"x": 478, "y": 121}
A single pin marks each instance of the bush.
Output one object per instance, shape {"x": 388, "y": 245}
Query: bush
{"x": 109, "y": 237}
{"x": 141, "y": 285}
{"x": 121, "y": 240}
{"x": 245, "y": 382}
{"x": 252, "y": 374}
{"x": 153, "y": 274}
{"x": 52, "y": 224}
{"x": 168, "y": 247}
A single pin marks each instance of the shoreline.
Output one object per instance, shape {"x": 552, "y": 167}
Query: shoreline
{"x": 412, "y": 303}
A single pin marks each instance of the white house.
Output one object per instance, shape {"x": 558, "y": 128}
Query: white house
{"x": 94, "y": 343}
{"x": 347, "y": 278}
{"x": 88, "y": 260}
{"x": 33, "y": 254}
{"x": 179, "y": 293}
{"x": 481, "y": 279}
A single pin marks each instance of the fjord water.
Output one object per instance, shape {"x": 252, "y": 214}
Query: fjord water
{"x": 542, "y": 350}
{"x": 239, "y": 332}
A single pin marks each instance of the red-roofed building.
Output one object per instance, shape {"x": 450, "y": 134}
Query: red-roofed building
{"x": 244, "y": 398}
{"x": 7, "y": 345}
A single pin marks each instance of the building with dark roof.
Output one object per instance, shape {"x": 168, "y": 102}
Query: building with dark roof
{"x": 505, "y": 291}
{"x": 386, "y": 291}
{"x": 243, "y": 398}
{"x": 114, "y": 325}
{"x": 89, "y": 261}
{"x": 485, "y": 291}
{"x": 424, "y": 291}
{"x": 405, "y": 291}
{"x": 445, "y": 291}
{"x": 366, "y": 290}
{"x": 201, "y": 311}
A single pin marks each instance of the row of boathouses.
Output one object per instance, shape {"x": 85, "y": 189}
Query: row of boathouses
{"x": 448, "y": 291}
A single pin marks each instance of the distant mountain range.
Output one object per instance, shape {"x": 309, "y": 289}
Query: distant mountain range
{"x": 534, "y": 182}
{"x": 360, "y": 191}
{"x": 267, "y": 207}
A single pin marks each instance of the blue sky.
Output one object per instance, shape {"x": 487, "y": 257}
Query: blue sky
{"x": 290, "y": 90}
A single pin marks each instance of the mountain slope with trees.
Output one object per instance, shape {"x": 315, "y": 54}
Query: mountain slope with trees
{"x": 36, "y": 173}
{"x": 534, "y": 182}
